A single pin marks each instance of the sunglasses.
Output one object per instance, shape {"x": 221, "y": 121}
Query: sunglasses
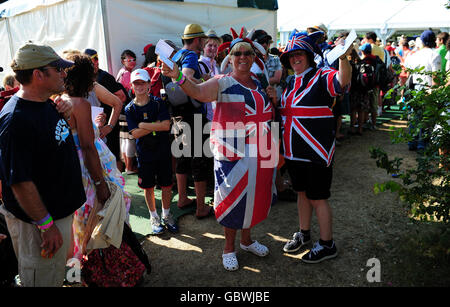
{"x": 245, "y": 53}
{"x": 130, "y": 60}
{"x": 58, "y": 69}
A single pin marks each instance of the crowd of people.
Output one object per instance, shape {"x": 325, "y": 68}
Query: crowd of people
{"x": 269, "y": 122}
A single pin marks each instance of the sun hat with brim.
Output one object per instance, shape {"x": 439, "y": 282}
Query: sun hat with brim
{"x": 301, "y": 41}
{"x": 192, "y": 31}
{"x": 212, "y": 34}
{"x": 320, "y": 27}
{"x": 139, "y": 74}
{"x": 32, "y": 55}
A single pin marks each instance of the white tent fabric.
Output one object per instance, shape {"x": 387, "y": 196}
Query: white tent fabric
{"x": 111, "y": 26}
{"x": 384, "y": 17}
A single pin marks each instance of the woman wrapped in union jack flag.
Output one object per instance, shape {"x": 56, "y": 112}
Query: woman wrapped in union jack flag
{"x": 243, "y": 145}
{"x": 308, "y": 138}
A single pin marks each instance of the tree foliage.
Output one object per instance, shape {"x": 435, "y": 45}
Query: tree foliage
{"x": 426, "y": 187}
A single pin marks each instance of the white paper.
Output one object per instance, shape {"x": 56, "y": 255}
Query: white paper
{"x": 94, "y": 112}
{"x": 339, "y": 50}
{"x": 164, "y": 51}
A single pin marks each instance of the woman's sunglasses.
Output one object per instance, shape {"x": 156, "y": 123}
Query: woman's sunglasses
{"x": 245, "y": 53}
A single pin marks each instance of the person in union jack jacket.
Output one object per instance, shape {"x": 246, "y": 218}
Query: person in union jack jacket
{"x": 308, "y": 138}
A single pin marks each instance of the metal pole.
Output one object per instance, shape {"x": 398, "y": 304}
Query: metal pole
{"x": 106, "y": 33}
{"x": 11, "y": 49}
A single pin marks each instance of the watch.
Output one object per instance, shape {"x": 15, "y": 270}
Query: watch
{"x": 112, "y": 127}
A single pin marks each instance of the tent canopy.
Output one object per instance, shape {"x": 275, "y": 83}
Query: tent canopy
{"x": 384, "y": 17}
{"x": 111, "y": 26}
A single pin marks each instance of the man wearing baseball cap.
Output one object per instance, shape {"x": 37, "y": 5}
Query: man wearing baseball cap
{"x": 39, "y": 167}
{"x": 193, "y": 40}
{"x": 430, "y": 60}
{"x": 149, "y": 122}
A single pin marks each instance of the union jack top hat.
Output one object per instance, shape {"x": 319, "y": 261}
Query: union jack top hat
{"x": 301, "y": 41}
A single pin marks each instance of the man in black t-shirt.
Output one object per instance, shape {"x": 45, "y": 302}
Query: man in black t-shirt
{"x": 109, "y": 82}
{"x": 39, "y": 167}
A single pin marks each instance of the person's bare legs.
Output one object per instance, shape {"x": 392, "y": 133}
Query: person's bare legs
{"x": 230, "y": 237}
{"x": 166, "y": 196}
{"x": 305, "y": 209}
{"x": 246, "y": 237}
{"x": 200, "y": 193}
{"x": 149, "y": 195}
{"x": 324, "y": 218}
{"x": 183, "y": 200}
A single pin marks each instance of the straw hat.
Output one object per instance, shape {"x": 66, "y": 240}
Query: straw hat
{"x": 192, "y": 31}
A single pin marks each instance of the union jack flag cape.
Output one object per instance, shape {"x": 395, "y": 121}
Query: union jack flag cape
{"x": 308, "y": 123}
{"x": 244, "y": 169}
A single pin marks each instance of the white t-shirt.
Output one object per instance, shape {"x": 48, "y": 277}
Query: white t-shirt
{"x": 426, "y": 57}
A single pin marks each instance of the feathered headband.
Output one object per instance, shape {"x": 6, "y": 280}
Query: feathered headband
{"x": 240, "y": 38}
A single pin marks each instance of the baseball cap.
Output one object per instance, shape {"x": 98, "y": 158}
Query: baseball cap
{"x": 33, "y": 55}
{"x": 428, "y": 38}
{"x": 366, "y": 48}
{"x": 146, "y": 48}
{"x": 193, "y": 30}
{"x": 90, "y": 52}
{"x": 139, "y": 74}
{"x": 261, "y": 36}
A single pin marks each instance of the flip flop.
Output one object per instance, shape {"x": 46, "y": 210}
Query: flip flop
{"x": 191, "y": 204}
{"x": 210, "y": 213}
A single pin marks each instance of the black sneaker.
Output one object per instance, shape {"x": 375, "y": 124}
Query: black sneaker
{"x": 298, "y": 240}
{"x": 320, "y": 253}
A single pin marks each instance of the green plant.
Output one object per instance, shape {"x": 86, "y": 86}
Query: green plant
{"x": 426, "y": 187}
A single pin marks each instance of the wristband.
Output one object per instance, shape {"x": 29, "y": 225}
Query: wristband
{"x": 46, "y": 227}
{"x": 180, "y": 76}
{"x": 183, "y": 79}
{"x": 47, "y": 217}
{"x": 97, "y": 183}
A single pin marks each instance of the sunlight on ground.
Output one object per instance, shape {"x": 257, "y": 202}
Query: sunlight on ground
{"x": 251, "y": 269}
{"x": 278, "y": 238}
{"x": 188, "y": 236}
{"x": 180, "y": 245}
{"x": 213, "y": 236}
{"x": 296, "y": 256}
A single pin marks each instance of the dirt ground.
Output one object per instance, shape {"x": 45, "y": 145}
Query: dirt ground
{"x": 365, "y": 226}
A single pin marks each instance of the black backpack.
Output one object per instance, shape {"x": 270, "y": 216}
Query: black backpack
{"x": 381, "y": 72}
{"x": 366, "y": 76}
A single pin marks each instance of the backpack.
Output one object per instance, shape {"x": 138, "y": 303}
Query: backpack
{"x": 381, "y": 73}
{"x": 175, "y": 94}
{"x": 205, "y": 67}
{"x": 366, "y": 76}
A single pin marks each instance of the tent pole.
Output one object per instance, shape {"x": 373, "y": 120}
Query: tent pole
{"x": 8, "y": 29}
{"x": 106, "y": 33}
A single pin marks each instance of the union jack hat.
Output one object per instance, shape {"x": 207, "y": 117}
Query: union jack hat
{"x": 301, "y": 41}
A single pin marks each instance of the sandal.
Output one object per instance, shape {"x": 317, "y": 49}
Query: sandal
{"x": 230, "y": 262}
{"x": 256, "y": 248}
